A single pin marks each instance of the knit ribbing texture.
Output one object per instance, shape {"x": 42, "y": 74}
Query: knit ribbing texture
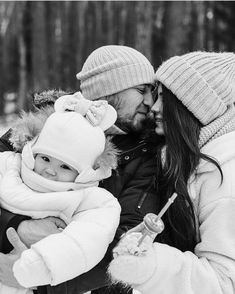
{"x": 203, "y": 81}
{"x": 112, "y": 69}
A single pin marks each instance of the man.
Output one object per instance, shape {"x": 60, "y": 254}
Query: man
{"x": 124, "y": 77}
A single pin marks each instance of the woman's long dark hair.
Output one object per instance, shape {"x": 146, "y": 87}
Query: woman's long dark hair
{"x": 182, "y": 157}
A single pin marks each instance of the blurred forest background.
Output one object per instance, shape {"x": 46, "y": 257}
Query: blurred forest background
{"x": 43, "y": 44}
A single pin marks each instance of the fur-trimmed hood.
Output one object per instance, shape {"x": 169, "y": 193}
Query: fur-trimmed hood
{"x": 29, "y": 125}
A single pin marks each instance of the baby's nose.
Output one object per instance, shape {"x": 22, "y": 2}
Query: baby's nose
{"x": 51, "y": 171}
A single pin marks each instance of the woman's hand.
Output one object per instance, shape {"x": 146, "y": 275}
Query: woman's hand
{"x": 132, "y": 264}
{"x": 7, "y": 260}
{"x": 129, "y": 244}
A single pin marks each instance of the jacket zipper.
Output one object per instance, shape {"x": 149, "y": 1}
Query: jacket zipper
{"x": 141, "y": 201}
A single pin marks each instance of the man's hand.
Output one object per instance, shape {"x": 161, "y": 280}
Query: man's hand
{"x": 7, "y": 260}
{"x": 32, "y": 231}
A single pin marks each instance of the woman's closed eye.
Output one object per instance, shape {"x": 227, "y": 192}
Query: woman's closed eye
{"x": 141, "y": 89}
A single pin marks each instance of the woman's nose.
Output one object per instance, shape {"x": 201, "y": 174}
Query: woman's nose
{"x": 148, "y": 99}
{"x": 155, "y": 107}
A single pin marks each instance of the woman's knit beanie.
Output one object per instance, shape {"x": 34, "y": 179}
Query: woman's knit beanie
{"x": 203, "y": 81}
{"x": 112, "y": 69}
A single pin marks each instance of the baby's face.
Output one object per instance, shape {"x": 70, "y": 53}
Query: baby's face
{"x": 54, "y": 169}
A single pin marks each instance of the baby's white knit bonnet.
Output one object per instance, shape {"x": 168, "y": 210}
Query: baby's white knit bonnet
{"x": 112, "y": 69}
{"x": 75, "y": 135}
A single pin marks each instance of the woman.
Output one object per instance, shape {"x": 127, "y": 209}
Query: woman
{"x": 195, "y": 113}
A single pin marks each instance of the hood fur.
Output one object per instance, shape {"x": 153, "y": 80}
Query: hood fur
{"x": 47, "y": 97}
{"x": 29, "y": 125}
{"x": 109, "y": 157}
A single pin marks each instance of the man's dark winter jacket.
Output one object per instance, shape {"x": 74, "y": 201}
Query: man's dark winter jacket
{"x": 133, "y": 183}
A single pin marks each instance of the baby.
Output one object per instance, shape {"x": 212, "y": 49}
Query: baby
{"x": 64, "y": 155}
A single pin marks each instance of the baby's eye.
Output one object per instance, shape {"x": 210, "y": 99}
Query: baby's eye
{"x": 64, "y": 166}
{"x": 45, "y": 158}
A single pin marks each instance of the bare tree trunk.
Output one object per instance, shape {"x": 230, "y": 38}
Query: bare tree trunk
{"x": 176, "y": 28}
{"x": 110, "y": 15}
{"x": 157, "y": 38}
{"x": 122, "y": 24}
{"x": 54, "y": 42}
{"x": 9, "y": 46}
{"x": 116, "y": 7}
{"x": 144, "y": 28}
{"x": 2, "y": 79}
{"x": 39, "y": 46}
{"x": 22, "y": 92}
{"x": 210, "y": 24}
{"x": 98, "y": 29}
{"x": 130, "y": 24}
{"x": 200, "y": 37}
{"x": 90, "y": 38}
{"x": 72, "y": 46}
{"x": 81, "y": 49}
{"x": 65, "y": 50}
{"x": 1, "y": 61}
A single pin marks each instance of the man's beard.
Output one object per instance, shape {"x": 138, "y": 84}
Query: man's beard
{"x": 144, "y": 130}
{"x": 126, "y": 125}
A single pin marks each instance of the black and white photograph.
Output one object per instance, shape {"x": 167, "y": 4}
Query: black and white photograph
{"x": 117, "y": 147}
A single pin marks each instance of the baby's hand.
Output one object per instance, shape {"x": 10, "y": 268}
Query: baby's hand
{"x": 129, "y": 245}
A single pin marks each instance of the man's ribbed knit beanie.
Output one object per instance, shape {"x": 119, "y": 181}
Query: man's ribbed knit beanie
{"x": 114, "y": 68}
{"x": 203, "y": 81}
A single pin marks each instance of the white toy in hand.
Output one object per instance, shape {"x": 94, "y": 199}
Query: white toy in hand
{"x": 134, "y": 257}
{"x": 132, "y": 263}
{"x": 129, "y": 245}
